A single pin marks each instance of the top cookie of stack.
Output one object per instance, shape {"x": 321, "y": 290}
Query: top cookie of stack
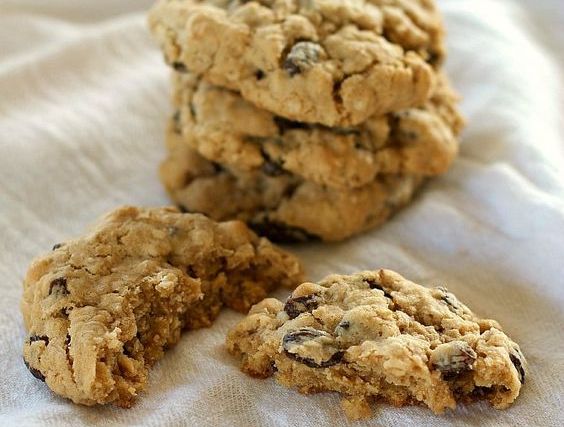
{"x": 304, "y": 118}
{"x": 332, "y": 62}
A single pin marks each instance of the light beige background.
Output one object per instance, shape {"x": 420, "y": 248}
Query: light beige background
{"x": 83, "y": 103}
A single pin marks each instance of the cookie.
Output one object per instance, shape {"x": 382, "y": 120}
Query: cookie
{"x": 375, "y": 336}
{"x": 284, "y": 208}
{"x": 415, "y": 25}
{"x": 226, "y": 129}
{"x": 333, "y": 62}
{"x": 101, "y": 309}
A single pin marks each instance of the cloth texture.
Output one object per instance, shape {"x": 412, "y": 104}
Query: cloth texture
{"x": 84, "y": 98}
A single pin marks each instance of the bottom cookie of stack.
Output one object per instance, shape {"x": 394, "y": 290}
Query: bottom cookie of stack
{"x": 284, "y": 208}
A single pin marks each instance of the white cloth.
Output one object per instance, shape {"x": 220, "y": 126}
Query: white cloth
{"x": 83, "y": 105}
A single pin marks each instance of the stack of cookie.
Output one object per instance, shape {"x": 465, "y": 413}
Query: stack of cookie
{"x": 304, "y": 118}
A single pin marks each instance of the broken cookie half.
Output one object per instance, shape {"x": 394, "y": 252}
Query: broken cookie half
{"x": 375, "y": 336}
{"x": 101, "y": 309}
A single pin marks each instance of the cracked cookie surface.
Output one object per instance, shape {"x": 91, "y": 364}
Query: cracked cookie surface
{"x": 331, "y": 62}
{"x": 375, "y": 336}
{"x": 101, "y": 309}
{"x": 224, "y": 128}
{"x": 283, "y": 207}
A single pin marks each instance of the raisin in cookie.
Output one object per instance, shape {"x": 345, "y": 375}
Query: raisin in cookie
{"x": 375, "y": 336}
{"x": 284, "y": 208}
{"x": 333, "y": 62}
{"x": 224, "y": 128}
{"x": 101, "y": 309}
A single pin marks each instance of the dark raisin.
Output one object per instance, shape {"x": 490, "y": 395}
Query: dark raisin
{"x": 67, "y": 340}
{"x": 259, "y": 74}
{"x": 34, "y": 338}
{"x": 375, "y": 284}
{"x": 35, "y": 372}
{"x": 337, "y": 92}
{"x": 294, "y": 340}
{"x": 291, "y": 67}
{"x": 344, "y": 325}
{"x": 57, "y": 246}
{"x": 191, "y": 271}
{"x": 127, "y": 351}
{"x": 64, "y": 312}
{"x": 452, "y": 303}
{"x": 450, "y": 300}
{"x": 336, "y": 358}
{"x": 272, "y": 168}
{"x": 296, "y": 306}
{"x": 180, "y": 67}
{"x": 516, "y": 360}
{"x": 301, "y": 57}
{"x": 453, "y": 358}
{"x": 59, "y": 286}
{"x": 282, "y": 233}
{"x": 302, "y": 335}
